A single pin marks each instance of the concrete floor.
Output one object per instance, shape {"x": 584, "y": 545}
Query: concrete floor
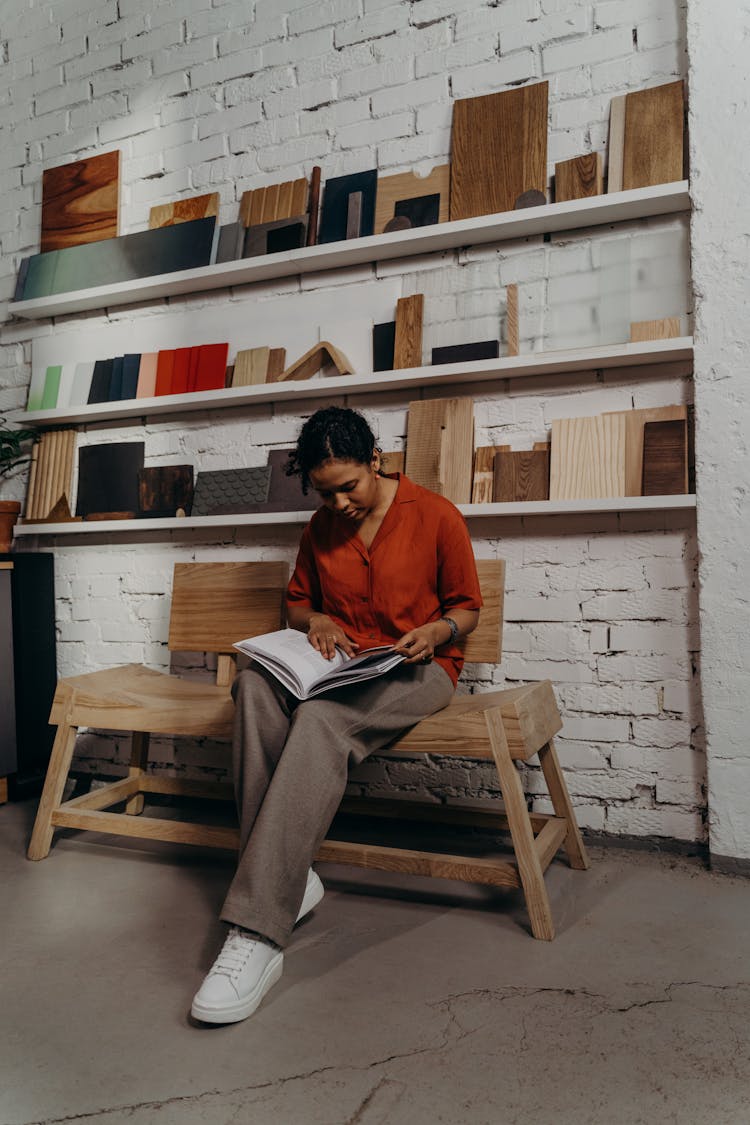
{"x": 412, "y": 1004}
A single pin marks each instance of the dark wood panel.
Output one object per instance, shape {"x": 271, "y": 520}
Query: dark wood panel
{"x": 80, "y": 202}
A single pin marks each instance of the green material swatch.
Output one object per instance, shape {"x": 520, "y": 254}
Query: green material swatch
{"x": 51, "y": 388}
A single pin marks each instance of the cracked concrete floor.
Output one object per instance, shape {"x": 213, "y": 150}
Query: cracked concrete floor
{"x": 402, "y": 1001}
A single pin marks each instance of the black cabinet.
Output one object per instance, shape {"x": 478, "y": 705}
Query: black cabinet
{"x": 28, "y": 669}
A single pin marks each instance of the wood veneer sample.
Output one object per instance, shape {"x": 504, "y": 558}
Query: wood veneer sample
{"x": 511, "y": 318}
{"x": 80, "y": 202}
{"x": 407, "y": 348}
{"x": 162, "y": 489}
{"x": 276, "y": 362}
{"x": 183, "y": 210}
{"x": 665, "y": 329}
{"x": 654, "y": 127}
{"x": 278, "y": 201}
{"x": 521, "y": 475}
{"x": 616, "y": 143}
{"x": 312, "y": 361}
{"x": 440, "y": 446}
{"x": 250, "y": 367}
{"x": 313, "y": 206}
{"x": 408, "y": 185}
{"x": 665, "y": 458}
{"x": 635, "y": 420}
{"x": 579, "y": 178}
{"x": 483, "y": 476}
{"x": 587, "y": 457}
{"x": 498, "y": 150}
{"x": 393, "y": 461}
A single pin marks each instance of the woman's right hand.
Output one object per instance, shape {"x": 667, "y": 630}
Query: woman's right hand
{"x": 325, "y": 635}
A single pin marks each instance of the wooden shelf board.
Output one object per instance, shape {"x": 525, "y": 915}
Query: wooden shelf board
{"x": 644, "y": 354}
{"x": 641, "y": 203}
{"x": 617, "y": 504}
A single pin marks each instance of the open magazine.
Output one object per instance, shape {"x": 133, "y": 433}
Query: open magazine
{"x": 291, "y": 658}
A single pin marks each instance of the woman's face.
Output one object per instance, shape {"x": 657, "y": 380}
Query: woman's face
{"x": 347, "y": 487}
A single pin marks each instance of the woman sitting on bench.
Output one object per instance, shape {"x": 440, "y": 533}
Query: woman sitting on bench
{"x": 382, "y": 561}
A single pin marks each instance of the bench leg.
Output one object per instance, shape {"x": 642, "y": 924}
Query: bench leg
{"x": 561, "y": 803}
{"x": 138, "y": 764}
{"x": 529, "y": 867}
{"x": 54, "y": 784}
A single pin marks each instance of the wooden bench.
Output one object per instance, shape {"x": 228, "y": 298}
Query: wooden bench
{"x": 214, "y": 604}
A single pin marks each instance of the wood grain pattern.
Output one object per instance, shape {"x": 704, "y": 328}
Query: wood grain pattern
{"x": 80, "y": 202}
{"x": 499, "y": 150}
{"x": 354, "y": 215}
{"x": 407, "y": 348}
{"x": 665, "y": 460}
{"x": 314, "y": 206}
{"x": 250, "y": 367}
{"x": 278, "y": 201}
{"x": 665, "y": 329}
{"x": 616, "y": 144}
{"x": 521, "y": 475}
{"x": 183, "y": 210}
{"x": 654, "y": 127}
{"x": 511, "y": 322}
{"x": 579, "y": 178}
{"x": 312, "y": 361}
{"x": 408, "y": 185}
{"x": 276, "y": 362}
{"x": 393, "y": 461}
{"x": 31, "y": 487}
{"x": 635, "y": 420}
{"x": 216, "y": 604}
{"x": 587, "y": 457}
{"x": 440, "y": 445}
{"x": 483, "y": 475}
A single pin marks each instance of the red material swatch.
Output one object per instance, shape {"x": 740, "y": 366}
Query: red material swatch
{"x": 212, "y": 365}
{"x": 164, "y": 373}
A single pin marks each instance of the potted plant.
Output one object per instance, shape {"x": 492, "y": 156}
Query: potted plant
{"x": 11, "y": 456}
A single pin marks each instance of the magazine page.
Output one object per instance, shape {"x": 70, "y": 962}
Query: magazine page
{"x": 290, "y": 656}
{"x": 366, "y": 669}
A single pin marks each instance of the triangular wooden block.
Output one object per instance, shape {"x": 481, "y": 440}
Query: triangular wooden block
{"x": 312, "y": 361}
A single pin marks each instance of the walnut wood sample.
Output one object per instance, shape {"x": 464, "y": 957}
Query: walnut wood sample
{"x": 579, "y": 178}
{"x": 665, "y": 329}
{"x": 183, "y": 210}
{"x": 250, "y": 367}
{"x": 483, "y": 476}
{"x": 521, "y": 475}
{"x": 80, "y": 202}
{"x": 276, "y": 361}
{"x": 654, "y": 126}
{"x": 511, "y": 322}
{"x": 440, "y": 445}
{"x": 314, "y": 206}
{"x": 665, "y": 460}
{"x": 616, "y": 143}
{"x": 635, "y": 420}
{"x": 587, "y": 457}
{"x": 498, "y": 150}
{"x": 163, "y": 489}
{"x": 407, "y": 348}
{"x": 407, "y": 185}
{"x": 278, "y": 201}
{"x": 312, "y": 361}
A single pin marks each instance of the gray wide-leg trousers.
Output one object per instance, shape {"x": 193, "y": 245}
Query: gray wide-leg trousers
{"x": 291, "y": 764}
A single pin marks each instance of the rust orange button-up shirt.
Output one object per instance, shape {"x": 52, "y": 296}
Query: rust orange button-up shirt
{"x": 419, "y": 566}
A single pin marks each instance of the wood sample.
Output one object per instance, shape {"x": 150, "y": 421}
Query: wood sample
{"x": 250, "y": 367}
{"x": 276, "y": 361}
{"x": 654, "y": 127}
{"x": 278, "y": 201}
{"x": 579, "y": 178}
{"x": 335, "y": 209}
{"x": 313, "y": 206}
{"x": 275, "y": 236}
{"x": 80, "y": 202}
{"x": 406, "y": 186}
{"x": 407, "y": 347}
{"x": 498, "y": 150}
{"x": 354, "y": 215}
{"x": 183, "y": 210}
{"x": 164, "y": 489}
{"x": 108, "y": 478}
{"x": 511, "y": 319}
{"x": 440, "y": 446}
{"x": 312, "y": 361}
{"x": 383, "y": 345}
{"x": 616, "y": 143}
{"x": 665, "y": 329}
{"x": 51, "y": 472}
{"x": 393, "y": 461}
{"x": 483, "y": 475}
{"x": 466, "y": 353}
{"x": 665, "y": 458}
{"x": 521, "y": 475}
{"x": 587, "y": 457}
{"x": 635, "y": 420}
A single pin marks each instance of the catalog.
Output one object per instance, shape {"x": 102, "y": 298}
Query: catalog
{"x": 288, "y": 654}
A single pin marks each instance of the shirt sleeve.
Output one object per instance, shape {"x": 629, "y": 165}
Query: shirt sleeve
{"x": 304, "y": 585}
{"x": 458, "y": 582}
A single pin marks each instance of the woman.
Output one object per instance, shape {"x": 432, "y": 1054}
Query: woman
{"x": 383, "y": 561}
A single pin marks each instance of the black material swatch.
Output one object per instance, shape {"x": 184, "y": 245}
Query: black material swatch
{"x": 422, "y": 210}
{"x": 100, "y": 381}
{"x": 465, "y": 353}
{"x": 336, "y": 205}
{"x": 131, "y": 364}
{"x": 115, "y": 380}
{"x": 108, "y": 477}
{"x": 383, "y": 345}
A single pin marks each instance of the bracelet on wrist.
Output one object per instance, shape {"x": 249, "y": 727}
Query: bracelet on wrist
{"x": 453, "y": 628}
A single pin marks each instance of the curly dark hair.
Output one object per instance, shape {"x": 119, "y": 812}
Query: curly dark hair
{"x": 334, "y": 431}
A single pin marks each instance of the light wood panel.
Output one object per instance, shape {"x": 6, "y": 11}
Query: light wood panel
{"x": 408, "y": 185}
{"x": 579, "y": 178}
{"x": 183, "y": 210}
{"x": 407, "y": 348}
{"x": 588, "y": 457}
{"x": 80, "y": 202}
{"x": 511, "y": 313}
{"x": 654, "y": 127}
{"x": 250, "y": 367}
{"x": 216, "y": 604}
{"x": 634, "y": 421}
{"x": 277, "y": 201}
{"x": 668, "y": 328}
{"x": 616, "y": 144}
{"x": 483, "y": 477}
{"x": 498, "y": 150}
{"x": 440, "y": 444}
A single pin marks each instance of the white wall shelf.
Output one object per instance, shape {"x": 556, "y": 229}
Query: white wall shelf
{"x": 615, "y": 504}
{"x": 641, "y": 203}
{"x": 646, "y": 355}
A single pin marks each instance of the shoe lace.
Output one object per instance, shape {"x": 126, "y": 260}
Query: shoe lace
{"x": 234, "y": 954}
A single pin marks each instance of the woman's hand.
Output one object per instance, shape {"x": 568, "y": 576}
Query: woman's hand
{"x": 419, "y": 644}
{"x": 325, "y": 635}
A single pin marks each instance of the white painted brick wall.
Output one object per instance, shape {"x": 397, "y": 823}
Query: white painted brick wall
{"x": 234, "y": 96}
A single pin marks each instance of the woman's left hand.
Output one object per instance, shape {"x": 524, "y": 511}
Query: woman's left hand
{"x": 419, "y": 644}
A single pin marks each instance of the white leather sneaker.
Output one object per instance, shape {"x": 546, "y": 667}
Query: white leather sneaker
{"x": 314, "y": 892}
{"x": 238, "y": 979}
